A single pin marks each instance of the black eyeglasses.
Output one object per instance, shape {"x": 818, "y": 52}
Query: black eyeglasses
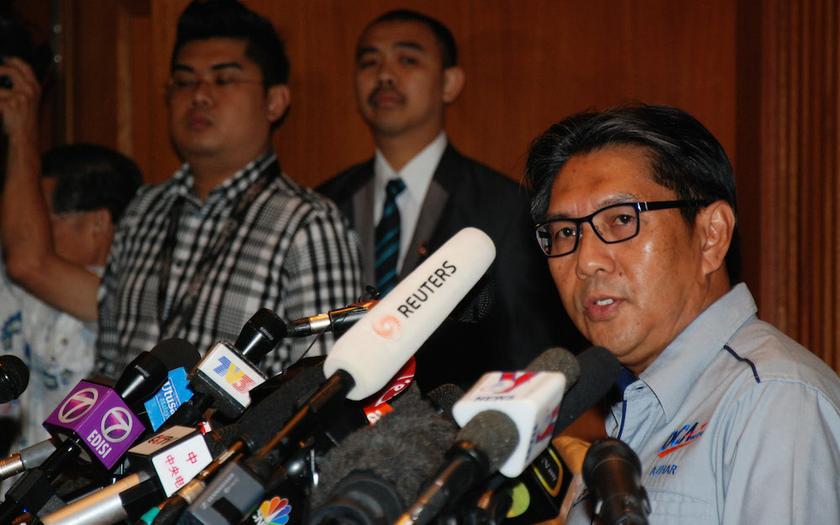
{"x": 612, "y": 224}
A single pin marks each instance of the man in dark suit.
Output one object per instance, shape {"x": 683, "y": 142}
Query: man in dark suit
{"x": 418, "y": 191}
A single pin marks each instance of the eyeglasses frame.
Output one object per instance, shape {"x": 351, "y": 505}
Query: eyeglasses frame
{"x": 639, "y": 206}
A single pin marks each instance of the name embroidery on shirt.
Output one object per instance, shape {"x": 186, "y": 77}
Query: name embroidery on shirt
{"x": 663, "y": 470}
{"x": 685, "y": 435}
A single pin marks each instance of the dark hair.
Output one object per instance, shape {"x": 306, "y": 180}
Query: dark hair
{"x": 90, "y": 177}
{"x": 684, "y": 156}
{"x": 448, "y": 47}
{"x": 204, "y": 19}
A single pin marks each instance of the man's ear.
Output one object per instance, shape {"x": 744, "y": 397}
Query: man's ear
{"x": 453, "y": 83}
{"x": 278, "y": 99}
{"x": 716, "y": 224}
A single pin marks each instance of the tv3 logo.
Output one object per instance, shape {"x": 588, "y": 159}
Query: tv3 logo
{"x": 233, "y": 375}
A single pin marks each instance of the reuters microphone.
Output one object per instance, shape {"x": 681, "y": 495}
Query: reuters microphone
{"x": 380, "y": 343}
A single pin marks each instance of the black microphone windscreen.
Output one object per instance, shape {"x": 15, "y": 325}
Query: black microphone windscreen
{"x": 478, "y": 304}
{"x": 265, "y": 418}
{"x": 492, "y": 432}
{"x": 14, "y": 377}
{"x": 219, "y": 439}
{"x": 402, "y": 450}
{"x": 598, "y": 372}
{"x": 612, "y": 472}
{"x": 175, "y": 353}
{"x": 444, "y": 397}
{"x": 557, "y": 359}
{"x": 260, "y": 335}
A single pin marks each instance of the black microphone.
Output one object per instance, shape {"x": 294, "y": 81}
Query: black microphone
{"x": 376, "y": 471}
{"x": 336, "y": 321}
{"x": 14, "y": 377}
{"x": 612, "y": 472}
{"x": 599, "y": 371}
{"x": 141, "y": 378}
{"x": 260, "y": 335}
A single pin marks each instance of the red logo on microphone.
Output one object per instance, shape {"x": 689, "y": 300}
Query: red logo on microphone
{"x": 387, "y": 327}
{"x": 509, "y": 381}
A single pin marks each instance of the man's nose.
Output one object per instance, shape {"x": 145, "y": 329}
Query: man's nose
{"x": 593, "y": 254}
{"x": 203, "y": 92}
{"x": 386, "y": 76}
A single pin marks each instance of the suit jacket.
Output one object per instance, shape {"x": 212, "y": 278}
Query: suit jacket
{"x": 514, "y": 313}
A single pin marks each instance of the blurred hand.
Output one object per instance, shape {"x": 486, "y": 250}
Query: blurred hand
{"x": 19, "y": 105}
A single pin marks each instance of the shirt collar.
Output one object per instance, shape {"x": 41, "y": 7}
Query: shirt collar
{"x": 230, "y": 190}
{"x": 672, "y": 375}
{"x": 417, "y": 174}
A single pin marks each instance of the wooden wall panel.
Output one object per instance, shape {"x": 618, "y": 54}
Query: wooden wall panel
{"x": 528, "y": 64}
{"x": 799, "y": 160}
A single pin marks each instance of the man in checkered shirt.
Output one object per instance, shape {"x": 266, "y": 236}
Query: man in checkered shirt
{"x": 229, "y": 233}
{"x": 289, "y": 250}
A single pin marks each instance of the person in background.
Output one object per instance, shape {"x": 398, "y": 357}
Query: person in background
{"x": 733, "y": 421}
{"x": 418, "y": 190}
{"x": 196, "y": 256}
{"x": 86, "y": 188}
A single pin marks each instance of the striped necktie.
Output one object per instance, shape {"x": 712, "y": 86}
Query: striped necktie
{"x": 387, "y": 238}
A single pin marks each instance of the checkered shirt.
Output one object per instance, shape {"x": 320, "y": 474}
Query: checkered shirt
{"x": 293, "y": 253}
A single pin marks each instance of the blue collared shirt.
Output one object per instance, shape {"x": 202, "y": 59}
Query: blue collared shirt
{"x": 733, "y": 423}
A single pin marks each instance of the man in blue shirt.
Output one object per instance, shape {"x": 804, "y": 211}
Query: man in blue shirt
{"x": 733, "y": 421}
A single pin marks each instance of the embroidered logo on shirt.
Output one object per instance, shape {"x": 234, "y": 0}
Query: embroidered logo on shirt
{"x": 685, "y": 435}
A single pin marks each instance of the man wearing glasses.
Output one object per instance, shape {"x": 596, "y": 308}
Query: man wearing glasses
{"x": 733, "y": 421}
{"x": 229, "y": 233}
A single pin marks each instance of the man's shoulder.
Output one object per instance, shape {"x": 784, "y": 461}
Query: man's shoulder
{"x": 289, "y": 193}
{"x": 760, "y": 361}
{"x": 776, "y": 357}
{"x": 346, "y": 182}
{"x": 147, "y": 196}
{"x": 469, "y": 174}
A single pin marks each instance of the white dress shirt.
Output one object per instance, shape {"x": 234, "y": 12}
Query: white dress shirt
{"x": 417, "y": 175}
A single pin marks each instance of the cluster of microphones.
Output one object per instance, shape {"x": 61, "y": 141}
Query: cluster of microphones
{"x": 345, "y": 438}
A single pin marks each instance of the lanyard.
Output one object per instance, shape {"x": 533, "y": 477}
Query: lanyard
{"x": 182, "y": 309}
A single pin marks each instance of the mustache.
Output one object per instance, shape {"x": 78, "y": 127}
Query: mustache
{"x": 384, "y": 89}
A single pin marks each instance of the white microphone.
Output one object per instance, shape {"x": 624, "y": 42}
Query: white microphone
{"x": 508, "y": 418}
{"x": 530, "y": 399}
{"x": 381, "y": 342}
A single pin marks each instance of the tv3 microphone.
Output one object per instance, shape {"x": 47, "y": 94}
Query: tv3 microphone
{"x": 227, "y": 373}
